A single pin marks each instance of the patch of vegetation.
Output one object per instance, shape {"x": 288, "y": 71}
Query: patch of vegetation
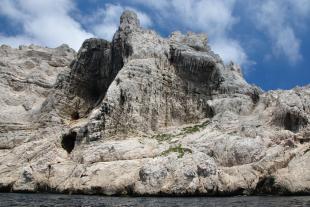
{"x": 195, "y": 128}
{"x": 163, "y": 137}
{"x": 191, "y": 129}
{"x": 178, "y": 149}
{"x": 186, "y": 130}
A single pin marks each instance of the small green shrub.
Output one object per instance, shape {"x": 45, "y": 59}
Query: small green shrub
{"x": 195, "y": 128}
{"x": 186, "y": 130}
{"x": 178, "y": 149}
{"x": 191, "y": 129}
{"x": 163, "y": 137}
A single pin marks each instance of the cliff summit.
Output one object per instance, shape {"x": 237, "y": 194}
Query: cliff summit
{"x": 146, "y": 115}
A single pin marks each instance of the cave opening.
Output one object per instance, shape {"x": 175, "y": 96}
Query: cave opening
{"x": 75, "y": 115}
{"x": 68, "y": 141}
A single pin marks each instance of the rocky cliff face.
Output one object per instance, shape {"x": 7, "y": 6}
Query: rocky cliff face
{"x": 146, "y": 115}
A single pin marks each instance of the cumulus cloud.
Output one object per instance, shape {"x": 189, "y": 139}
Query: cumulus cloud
{"x": 279, "y": 20}
{"x": 230, "y": 49}
{"x": 105, "y": 21}
{"x": 15, "y": 41}
{"x": 43, "y": 22}
{"x": 50, "y": 22}
{"x": 300, "y": 8}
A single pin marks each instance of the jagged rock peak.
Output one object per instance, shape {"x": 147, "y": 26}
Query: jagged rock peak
{"x": 146, "y": 115}
{"x": 129, "y": 19}
{"x": 195, "y": 40}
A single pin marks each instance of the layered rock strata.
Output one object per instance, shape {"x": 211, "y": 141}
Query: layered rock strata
{"x": 146, "y": 115}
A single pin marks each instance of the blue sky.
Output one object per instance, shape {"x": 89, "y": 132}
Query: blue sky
{"x": 269, "y": 38}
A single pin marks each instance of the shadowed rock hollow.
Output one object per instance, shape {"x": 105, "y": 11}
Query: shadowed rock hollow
{"x": 146, "y": 115}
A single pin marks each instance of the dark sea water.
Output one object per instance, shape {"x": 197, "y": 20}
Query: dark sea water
{"x": 12, "y": 199}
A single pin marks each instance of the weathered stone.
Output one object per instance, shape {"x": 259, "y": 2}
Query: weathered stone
{"x": 146, "y": 115}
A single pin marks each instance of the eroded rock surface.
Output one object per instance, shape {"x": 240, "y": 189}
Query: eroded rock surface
{"x": 146, "y": 115}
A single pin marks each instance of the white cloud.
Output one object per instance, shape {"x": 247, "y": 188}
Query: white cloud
{"x": 301, "y": 8}
{"x": 230, "y": 50}
{"x": 204, "y": 15}
{"x": 50, "y": 22}
{"x": 278, "y": 20}
{"x": 105, "y": 21}
{"x": 43, "y": 22}
{"x": 287, "y": 43}
{"x": 15, "y": 41}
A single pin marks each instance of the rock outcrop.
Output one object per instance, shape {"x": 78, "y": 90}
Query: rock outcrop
{"x": 146, "y": 115}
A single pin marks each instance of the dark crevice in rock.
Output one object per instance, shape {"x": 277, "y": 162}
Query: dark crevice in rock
{"x": 294, "y": 122}
{"x": 105, "y": 108}
{"x": 120, "y": 50}
{"x": 98, "y": 62}
{"x": 265, "y": 184}
{"x": 6, "y": 188}
{"x": 268, "y": 185}
{"x": 44, "y": 187}
{"x": 75, "y": 115}
{"x": 122, "y": 98}
{"x": 255, "y": 96}
{"x": 210, "y": 113}
{"x": 68, "y": 141}
{"x": 95, "y": 68}
{"x": 90, "y": 75}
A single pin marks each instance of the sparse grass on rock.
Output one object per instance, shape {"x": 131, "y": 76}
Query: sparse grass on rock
{"x": 178, "y": 149}
{"x": 163, "y": 137}
{"x": 195, "y": 128}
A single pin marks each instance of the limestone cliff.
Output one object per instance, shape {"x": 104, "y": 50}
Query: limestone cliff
{"x": 146, "y": 115}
